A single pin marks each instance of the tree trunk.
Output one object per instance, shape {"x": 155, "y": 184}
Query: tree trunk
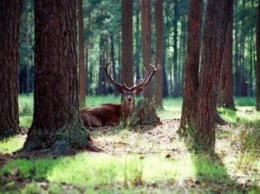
{"x": 159, "y": 51}
{"x": 146, "y": 42}
{"x": 127, "y": 42}
{"x": 175, "y": 49}
{"x": 82, "y": 75}
{"x": 56, "y": 124}
{"x": 137, "y": 43}
{"x": 112, "y": 51}
{"x": 10, "y": 25}
{"x": 191, "y": 71}
{"x": 213, "y": 45}
{"x": 28, "y": 54}
{"x": 258, "y": 60}
{"x": 225, "y": 91}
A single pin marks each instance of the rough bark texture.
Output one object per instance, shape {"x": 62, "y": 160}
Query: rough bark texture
{"x": 258, "y": 61}
{"x": 159, "y": 51}
{"x": 225, "y": 91}
{"x": 10, "y": 23}
{"x": 144, "y": 113}
{"x": 56, "y": 125}
{"x": 82, "y": 70}
{"x": 127, "y": 42}
{"x": 213, "y": 45}
{"x": 146, "y": 42}
{"x": 191, "y": 79}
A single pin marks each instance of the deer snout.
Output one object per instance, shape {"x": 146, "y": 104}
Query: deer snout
{"x": 129, "y": 98}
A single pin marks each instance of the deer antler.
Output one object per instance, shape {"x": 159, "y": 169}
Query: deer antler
{"x": 137, "y": 88}
{"x": 119, "y": 86}
{"x": 146, "y": 80}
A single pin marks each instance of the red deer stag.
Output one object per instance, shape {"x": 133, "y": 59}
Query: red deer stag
{"x": 112, "y": 114}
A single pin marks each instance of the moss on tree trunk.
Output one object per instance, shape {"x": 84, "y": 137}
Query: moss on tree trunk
{"x": 58, "y": 141}
{"x": 144, "y": 113}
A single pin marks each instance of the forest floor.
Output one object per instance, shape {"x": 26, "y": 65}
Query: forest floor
{"x": 163, "y": 141}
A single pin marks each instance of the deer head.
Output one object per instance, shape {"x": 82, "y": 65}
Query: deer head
{"x": 129, "y": 93}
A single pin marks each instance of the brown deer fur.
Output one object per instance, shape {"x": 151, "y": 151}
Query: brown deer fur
{"x": 111, "y": 114}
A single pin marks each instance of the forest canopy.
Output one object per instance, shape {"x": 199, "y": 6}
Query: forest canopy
{"x": 102, "y": 42}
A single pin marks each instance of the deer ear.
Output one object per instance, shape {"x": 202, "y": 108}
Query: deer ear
{"x": 138, "y": 90}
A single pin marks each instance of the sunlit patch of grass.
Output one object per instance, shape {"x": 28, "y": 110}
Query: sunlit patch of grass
{"x": 25, "y": 121}
{"x": 246, "y": 115}
{"x": 25, "y": 104}
{"x": 11, "y": 144}
{"x": 227, "y": 114}
{"x": 171, "y": 108}
{"x": 91, "y": 170}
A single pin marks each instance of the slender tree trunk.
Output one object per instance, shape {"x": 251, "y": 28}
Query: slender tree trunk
{"x": 191, "y": 71}
{"x": 258, "y": 60}
{"x": 146, "y": 42}
{"x": 137, "y": 55}
{"x": 28, "y": 61}
{"x": 127, "y": 42}
{"x": 10, "y": 25}
{"x": 213, "y": 45}
{"x": 56, "y": 124}
{"x": 225, "y": 91}
{"x": 82, "y": 75}
{"x": 175, "y": 49}
{"x": 159, "y": 51}
{"x": 113, "y": 61}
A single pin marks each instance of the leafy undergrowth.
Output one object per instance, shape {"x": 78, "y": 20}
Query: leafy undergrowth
{"x": 146, "y": 159}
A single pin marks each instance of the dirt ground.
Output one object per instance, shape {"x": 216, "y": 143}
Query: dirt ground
{"x": 144, "y": 141}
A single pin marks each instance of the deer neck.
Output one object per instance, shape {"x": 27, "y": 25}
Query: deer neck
{"x": 126, "y": 108}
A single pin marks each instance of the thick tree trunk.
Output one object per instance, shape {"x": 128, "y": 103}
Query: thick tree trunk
{"x": 82, "y": 75}
{"x": 191, "y": 71}
{"x": 213, "y": 45}
{"x": 10, "y": 23}
{"x": 146, "y": 42}
{"x": 225, "y": 91}
{"x": 56, "y": 125}
{"x": 159, "y": 51}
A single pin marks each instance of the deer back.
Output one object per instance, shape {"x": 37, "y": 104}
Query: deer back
{"x": 104, "y": 115}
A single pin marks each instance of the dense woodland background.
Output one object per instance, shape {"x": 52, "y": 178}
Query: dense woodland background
{"x": 102, "y": 43}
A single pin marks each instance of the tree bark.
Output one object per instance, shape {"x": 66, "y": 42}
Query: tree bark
{"x": 176, "y": 88}
{"x": 225, "y": 91}
{"x": 82, "y": 75}
{"x": 258, "y": 60}
{"x": 56, "y": 124}
{"x": 159, "y": 52}
{"x": 127, "y": 42}
{"x": 10, "y": 25}
{"x": 191, "y": 71}
{"x": 146, "y": 42}
{"x": 217, "y": 14}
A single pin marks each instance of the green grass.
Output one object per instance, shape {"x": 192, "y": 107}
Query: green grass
{"x": 143, "y": 161}
{"x": 88, "y": 170}
{"x": 10, "y": 145}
